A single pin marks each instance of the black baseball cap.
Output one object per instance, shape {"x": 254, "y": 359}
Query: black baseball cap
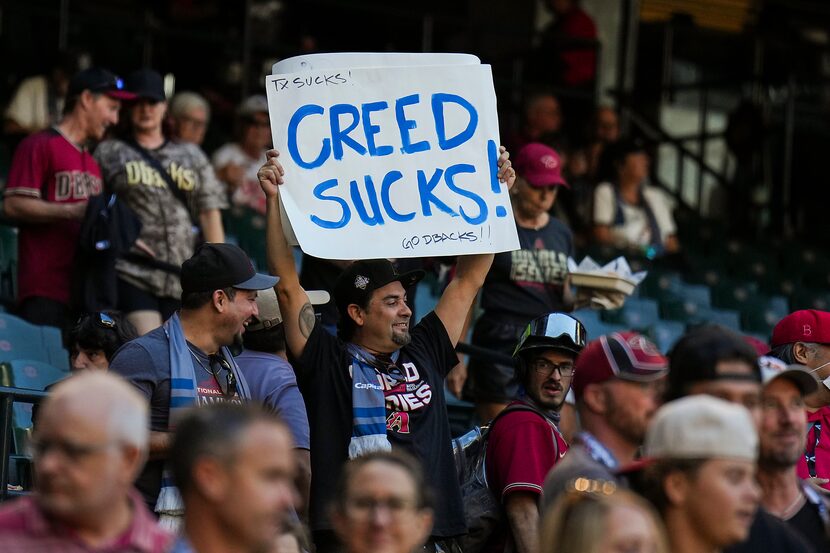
{"x": 99, "y": 81}
{"x": 218, "y": 266}
{"x": 696, "y": 355}
{"x": 146, "y": 84}
{"x": 357, "y": 281}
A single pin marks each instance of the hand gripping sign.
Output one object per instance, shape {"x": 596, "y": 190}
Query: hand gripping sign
{"x": 390, "y": 161}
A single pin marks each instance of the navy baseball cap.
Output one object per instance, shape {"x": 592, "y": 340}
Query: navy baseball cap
{"x": 99, "y": 81}
{"x": 218, "y": 266}
{"x": 146, "y": 84}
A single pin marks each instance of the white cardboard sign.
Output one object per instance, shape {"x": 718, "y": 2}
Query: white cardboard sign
{"x": 389, "y": 162}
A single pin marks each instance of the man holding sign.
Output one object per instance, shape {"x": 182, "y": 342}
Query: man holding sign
{"x": 378, "y": 385}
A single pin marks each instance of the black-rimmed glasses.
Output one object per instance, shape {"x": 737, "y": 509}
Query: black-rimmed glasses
{"x": 545, "y": 368}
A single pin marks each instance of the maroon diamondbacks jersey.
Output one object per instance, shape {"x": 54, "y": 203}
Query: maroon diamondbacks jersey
{"x": 47, "y": 166}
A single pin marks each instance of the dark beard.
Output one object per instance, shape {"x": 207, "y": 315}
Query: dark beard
{"x": 402, "y": 339}
{"x": 778, "y": 459}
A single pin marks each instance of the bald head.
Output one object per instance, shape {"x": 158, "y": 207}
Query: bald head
{"x": 105, "y": 399}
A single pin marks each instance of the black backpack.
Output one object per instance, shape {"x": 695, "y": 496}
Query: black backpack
{"x": 483, "y": 512}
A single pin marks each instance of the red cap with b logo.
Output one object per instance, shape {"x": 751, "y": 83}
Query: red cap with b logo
{"x": 807, "y": 325}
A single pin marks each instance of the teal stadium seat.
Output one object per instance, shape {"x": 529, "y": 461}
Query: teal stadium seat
{"x": 21, "y": 340}
{"x": 30, "y": 375}
{"x": 53, "y": 342}
{"x": 635, "y": 314}
{"x": 666, "y": 333}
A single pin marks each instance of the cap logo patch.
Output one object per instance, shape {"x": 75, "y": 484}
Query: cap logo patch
{"x": 638, "y": 342}
{"x": 361, "y": 282}
{"x": 549, "y": 162}
{"x": 807, "y": 330}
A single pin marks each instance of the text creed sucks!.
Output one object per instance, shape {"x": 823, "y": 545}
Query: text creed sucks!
{"x": 402, "y": 160}
{"x": 350, "y": 127}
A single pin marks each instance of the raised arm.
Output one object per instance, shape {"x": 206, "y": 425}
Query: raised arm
{"x": 471, "y": 271}
{"x": 297, "y": 312}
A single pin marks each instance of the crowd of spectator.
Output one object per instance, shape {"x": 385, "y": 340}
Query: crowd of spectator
{"x": 211, "y": 409}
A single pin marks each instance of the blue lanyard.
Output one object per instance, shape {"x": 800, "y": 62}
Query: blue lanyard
{"x": 597, "y": 451}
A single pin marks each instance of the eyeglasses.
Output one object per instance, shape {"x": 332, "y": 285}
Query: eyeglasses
{"x": 545, "y": 368}
{"x": 218, "y": 364}
{"x": 362, "y": 508}
{"x": 70, "y": 450}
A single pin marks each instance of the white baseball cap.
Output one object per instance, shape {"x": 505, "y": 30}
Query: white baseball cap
{"x": 269, "y": 308}
{"x": 701, "y": 427}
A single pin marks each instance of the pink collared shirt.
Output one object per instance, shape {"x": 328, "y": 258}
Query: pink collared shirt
{"x": 24, "y": 528}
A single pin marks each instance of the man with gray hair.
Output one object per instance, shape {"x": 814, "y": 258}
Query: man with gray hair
{"x": 89, "y": 444}
{"x": 190, "y": 114}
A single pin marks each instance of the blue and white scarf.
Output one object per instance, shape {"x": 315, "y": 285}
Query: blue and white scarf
{"x": 368, "y": 403}
{"x": 183, "y": 396}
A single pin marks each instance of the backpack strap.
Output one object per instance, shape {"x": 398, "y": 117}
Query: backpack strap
{"x": 177, "y": 192}
{"x": 513, "y": 407}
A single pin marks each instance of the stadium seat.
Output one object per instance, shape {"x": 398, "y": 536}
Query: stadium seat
{"x": 20, "y": 340}
{"x": 659, "y": 282}
{"x": 31, "y": 375}
{"x": 761, "y": 315}
{"x": 725, "y": 317}
{"x": 53, "y": 343}
{"x": 806, "y": 298}
{"x": 732, "y": 294}
{"x": 594, "y": 325}
{"x": 666, "y": 333}
{"x": 636, "y": 314}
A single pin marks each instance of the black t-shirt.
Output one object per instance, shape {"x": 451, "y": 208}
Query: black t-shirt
{"x": 809, "y": 524}
{"x": 527, "y": 282}
{"x": 769, "y": 533}
{"x": 416, "y": 416}
{"x": 321, "y": 274}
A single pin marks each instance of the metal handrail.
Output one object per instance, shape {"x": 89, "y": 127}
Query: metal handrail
{"x": 8, "y": 397}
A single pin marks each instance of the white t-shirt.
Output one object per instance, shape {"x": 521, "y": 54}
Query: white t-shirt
{"x": 636, "y": 230}
{"x": 249, "y": 194}
{"x": 29, "y": 107}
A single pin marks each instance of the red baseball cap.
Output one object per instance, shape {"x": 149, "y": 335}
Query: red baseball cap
{"x": 540, "y": 166}
{"x": 807, "y": 325}
{"x": 624, "y": 355}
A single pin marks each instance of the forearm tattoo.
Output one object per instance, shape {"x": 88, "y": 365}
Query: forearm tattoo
{"x": 307, "y": 319}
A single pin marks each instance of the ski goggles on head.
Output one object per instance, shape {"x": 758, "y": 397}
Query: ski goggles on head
{"x": 554, "y": 330}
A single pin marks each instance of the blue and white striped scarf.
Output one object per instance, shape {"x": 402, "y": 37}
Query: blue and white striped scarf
{"x": 183, "y": 396}
{"x": 368, "y": 404}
